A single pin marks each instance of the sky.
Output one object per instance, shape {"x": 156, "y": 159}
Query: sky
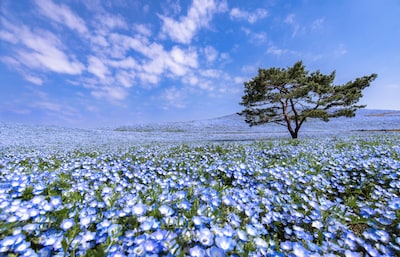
{"x": 109, "y": 63}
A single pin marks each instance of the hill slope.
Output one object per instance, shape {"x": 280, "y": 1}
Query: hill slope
{"x": 365, "y": 120}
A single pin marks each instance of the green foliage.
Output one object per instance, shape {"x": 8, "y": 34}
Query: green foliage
{"x": 289, "y": 96}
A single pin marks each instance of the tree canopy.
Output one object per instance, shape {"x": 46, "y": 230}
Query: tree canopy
{"x": 290, "y": 96}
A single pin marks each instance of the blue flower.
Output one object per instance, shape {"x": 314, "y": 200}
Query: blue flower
{"x": 166, "y": 210}
{"x": 197, "y": 251}
{"x": 67, "y": 224}
{"x": 139, "y": 209}
{"x": 286, "y": 245}
{"x": 225, "y": 243}
{"x": 299, "y": 250}
{"x": 7, "y": 242}
{"x": 215, "y": 252}
{"x": 45, "y": 252}
{"x": 206, "y": 237}
{"x": 151, "y": 246}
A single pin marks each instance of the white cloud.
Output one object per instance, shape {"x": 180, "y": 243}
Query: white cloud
{"x": 110, "y": 93}
{"x": 255, "y": 38}
{"x": 276, "y": 51}
{"x": 211, "y": 53}
{"x": 199, "y": 15}
{"x": 211, "y": 73}
{"x": 291, "y": 20}
{"x": 99, "y": 40}
{"x": 239, "y": 80}
{"x": 251, "y": 17}
{"x": 112, "y": 21}
{"x": 157, "y": 61}
{"x": 34, "y": 79}
{"x": 42, "y": 50}
{"x": 62, "y": 14}
{"x": 7, "y": 36}
{"x": 317, "y": 24}
{"x": 148, "y": 78}
{"x": 125, "y": 78}
{"x": 97, "y": 67}
{"x": 340, "y": 50}
{"x": 126, "y": 63}
{"x": 143, "y": 29}
{"x": 174, "y": 98}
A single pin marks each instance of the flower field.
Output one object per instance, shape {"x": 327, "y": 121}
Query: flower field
{"x": 307, "y": 197}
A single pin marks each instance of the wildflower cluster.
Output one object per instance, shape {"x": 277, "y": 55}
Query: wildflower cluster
{"x": 275, "y": 198}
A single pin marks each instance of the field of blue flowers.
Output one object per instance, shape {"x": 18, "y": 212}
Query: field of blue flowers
{"x": 307, "y": 197}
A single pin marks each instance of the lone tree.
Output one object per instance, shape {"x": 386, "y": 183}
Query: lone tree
{"x": 290, "y": 96}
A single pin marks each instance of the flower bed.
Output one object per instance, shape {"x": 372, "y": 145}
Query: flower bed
{"x": 314, "y": 197}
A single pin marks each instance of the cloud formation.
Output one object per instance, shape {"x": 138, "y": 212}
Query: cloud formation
{"x": 199, "y": 15}
{"x": 61, "y": 14}
{"x": 40, "y": 49}
{"x": 251, "y": 17}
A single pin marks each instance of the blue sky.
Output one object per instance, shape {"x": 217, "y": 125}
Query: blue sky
{"x": 109, "y": 63}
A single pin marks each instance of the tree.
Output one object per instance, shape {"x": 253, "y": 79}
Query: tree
{"x": 290, "y": 96}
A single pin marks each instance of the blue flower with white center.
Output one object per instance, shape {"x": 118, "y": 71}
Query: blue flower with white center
{"x": 159, "y": 235}
{"x": 198, "y": 221}
{"x": 30, "y": 228}
{"x": 7, "y": 242}
{"x": 260, "y": 243}
{"x": 206, "y": 237}
{"x": 349, "y": 253}
{"x": 67, "y": 224}
{"x": 45, "y": 252}
{"x": 197, "y": 251}
{"x": 251, "y": 230}
{"x": 215, "y": 252}
{"x": 166, "y": 210}
{"x": 299, "y": 250}
{"x": 55, "y": 201}
{"x": 22, "y": 247}
{"x": 151, "y": 246}
{"x": 85, "y": 221}
{"x": 139, "y": 209}
{"x": 149, "y": 223}
{"x": 114, "y": 230}
{"x": 234, "y": 220}
{"x": 317, "y": 224}
{"x": 225, "y": 243}
{"x": 286, "y": 245}
{"x": 241, "y": 235}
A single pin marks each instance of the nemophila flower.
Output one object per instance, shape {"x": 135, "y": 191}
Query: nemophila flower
{"x": 206, "y": 237}
{"x": 67, "y": 224}
{"x": 225, "y": 243}
{"x": 299, "y": 250}
{"x": 215, "y": 252}
{"x": 198, "y": 221}
{"x": 260, "y": 243}
{"x": 166, "y": 210}
{"x": 7, "y": 242}
{"x": 55, "y": 201}
{"x": 85, "y": 221}
{"x": 149, "y": 223}
{"x": 241, "y": 235}
{"x": 251, "y": 230}
{"x": 151, "y": 246}
{"x": 159, "y": 235}
{"x": 22, "y": 247}
{"x": 286, "y": 245}
{"x": 197, "y": 251}
{"x": 114, "y": 230}
{"x": 30, "y": 228}
{"x": 139, "y": 209}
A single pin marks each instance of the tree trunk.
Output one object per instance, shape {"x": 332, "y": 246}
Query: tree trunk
{"x": 293, "y": 134}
